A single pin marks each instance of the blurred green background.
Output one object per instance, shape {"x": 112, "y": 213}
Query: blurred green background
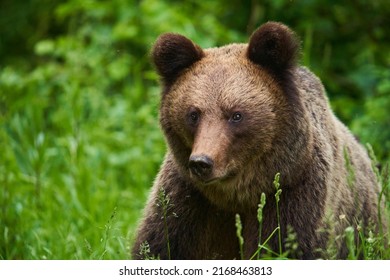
{"x": 79, "y": 140}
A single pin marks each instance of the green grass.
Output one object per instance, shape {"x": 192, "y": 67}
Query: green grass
{"x": 75, "y": 171}
{"x": 84, "y": 208}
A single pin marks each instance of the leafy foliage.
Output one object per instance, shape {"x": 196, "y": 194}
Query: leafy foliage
{"x": 79, "y": 136}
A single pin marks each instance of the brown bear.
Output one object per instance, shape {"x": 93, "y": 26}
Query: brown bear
{"x": 233, "y": 117}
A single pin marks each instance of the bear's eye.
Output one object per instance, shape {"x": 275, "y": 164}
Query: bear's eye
{"x": 193, "y": 117}
{"x": 236, "y": 117}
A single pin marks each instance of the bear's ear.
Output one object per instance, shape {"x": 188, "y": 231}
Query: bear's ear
{"x": 275, "y": 47}
{"x": 172, "y": 53}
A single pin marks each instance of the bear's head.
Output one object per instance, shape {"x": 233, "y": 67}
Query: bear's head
{"x": 226, "y": 111}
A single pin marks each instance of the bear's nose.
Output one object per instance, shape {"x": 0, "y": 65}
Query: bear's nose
{"x": 201, "y": 166}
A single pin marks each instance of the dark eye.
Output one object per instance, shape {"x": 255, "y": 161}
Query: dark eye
{"x": 236, "y": 117}
{"x": 193, "y": 117}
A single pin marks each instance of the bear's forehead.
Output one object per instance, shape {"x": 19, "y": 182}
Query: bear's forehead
{"x": 225, "y": 67}
{"x": 223, "y": 78}
{"x": 219, "y": 65}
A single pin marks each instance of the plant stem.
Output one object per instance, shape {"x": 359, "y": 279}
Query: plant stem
{"x": 260, "y": 219}
{"x": 239, "y": 235}
{"x": 277, "y": 198}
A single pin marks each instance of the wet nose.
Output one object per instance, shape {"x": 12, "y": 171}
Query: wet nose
{"x": 201, "y": 166}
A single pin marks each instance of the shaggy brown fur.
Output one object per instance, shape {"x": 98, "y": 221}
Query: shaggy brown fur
{"x": 233, "y": 117}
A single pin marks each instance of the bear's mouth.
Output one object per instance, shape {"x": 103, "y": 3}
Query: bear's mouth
{"x": 218, "y": 180}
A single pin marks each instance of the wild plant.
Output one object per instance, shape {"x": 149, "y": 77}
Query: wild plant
{"x": 163, "y": 201}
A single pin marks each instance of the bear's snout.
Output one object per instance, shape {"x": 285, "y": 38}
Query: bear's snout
{"x": 201, "y": 166}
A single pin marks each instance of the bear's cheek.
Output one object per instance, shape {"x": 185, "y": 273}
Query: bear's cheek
{"x": 248, "y": 148}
